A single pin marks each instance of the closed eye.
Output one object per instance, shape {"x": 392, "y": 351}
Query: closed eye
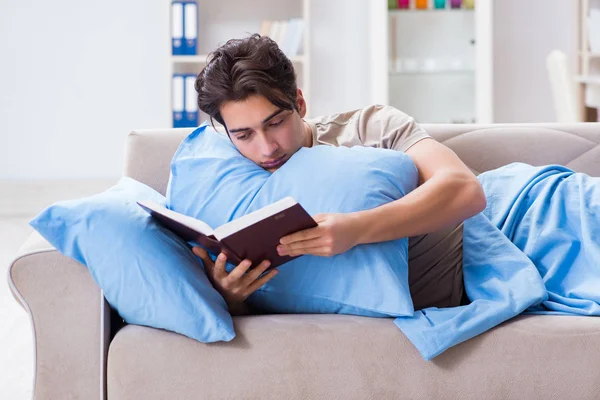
{"x": 274, "y": 124}
{"x": 244, "y": 136}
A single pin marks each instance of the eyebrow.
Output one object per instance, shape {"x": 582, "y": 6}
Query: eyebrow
{"x": 276, "y": 113}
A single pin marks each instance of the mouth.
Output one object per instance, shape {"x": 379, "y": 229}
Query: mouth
{"x": 274, "y": 163}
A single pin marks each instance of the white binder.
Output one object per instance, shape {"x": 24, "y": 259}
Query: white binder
{"x": 190, "y": 27}
{"x": 177, "y": 27}
{"x": 177, "y": 100}
{"x": 191, "y": 105}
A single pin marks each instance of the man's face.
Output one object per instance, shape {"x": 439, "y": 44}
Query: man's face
{"x": 264, "y": 133}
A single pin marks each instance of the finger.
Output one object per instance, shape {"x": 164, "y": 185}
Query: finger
{"x": 262, "y": 280}
{"x": 306, "y": 234}
{"x": 219, "y": 270}
{"x": 323, "y": 251}
{"x": 200, "y": 252}
{"x": 319, "y": 217}
{"x": 257, "y": 271}
{"x": 238, "y": 272}
{"x": 304, "y": 244}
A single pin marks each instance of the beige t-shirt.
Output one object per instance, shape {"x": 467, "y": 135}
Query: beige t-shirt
{"x": 434, "y": 259}
{"x": 373, "y": 126}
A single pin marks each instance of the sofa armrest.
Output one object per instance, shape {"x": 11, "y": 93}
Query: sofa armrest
{"x": 70, "y": 321}
{"x": 148, "y": 155}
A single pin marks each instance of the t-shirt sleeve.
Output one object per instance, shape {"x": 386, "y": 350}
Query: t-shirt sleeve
{"x": 389, "y": 128}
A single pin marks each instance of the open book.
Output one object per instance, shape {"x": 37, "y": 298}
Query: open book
{"x": 254, "y": 236}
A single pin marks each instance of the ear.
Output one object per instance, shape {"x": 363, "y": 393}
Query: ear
{"x": 301, "y": 103}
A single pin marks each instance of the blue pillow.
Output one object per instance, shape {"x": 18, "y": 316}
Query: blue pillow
{"x": 148, "y": 274}
{"x": 212, "y": 181}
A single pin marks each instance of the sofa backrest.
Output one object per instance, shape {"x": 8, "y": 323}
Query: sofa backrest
{"x": 482, "y": 147}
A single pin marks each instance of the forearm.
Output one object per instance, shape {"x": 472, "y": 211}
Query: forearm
{"x": 443, "y": 200}
{"x": 239, "y": 308}
{"x": 243, "y": 308}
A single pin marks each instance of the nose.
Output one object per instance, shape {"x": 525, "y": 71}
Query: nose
{"x": 268, "y": 146}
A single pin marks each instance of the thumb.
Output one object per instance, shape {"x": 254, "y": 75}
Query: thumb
{"x": 319, "y": 217}
{"x": 206, "y": 260}
{"x": 200, "y": 252}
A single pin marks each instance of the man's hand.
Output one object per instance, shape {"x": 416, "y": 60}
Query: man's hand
{"x": 335, "y": 234}
{"x": 237, "y": 285}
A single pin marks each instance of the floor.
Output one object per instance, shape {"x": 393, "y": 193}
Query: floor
{"x": 19, "y": 203}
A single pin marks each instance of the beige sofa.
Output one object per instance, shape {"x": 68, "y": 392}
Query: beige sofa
{"x": 306, "y": 356}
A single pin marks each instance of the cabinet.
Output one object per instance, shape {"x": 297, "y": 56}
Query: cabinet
{"x": 498, "y": 77}
{"x": 589, "y": 58}
{"x": 431, "y": 61}
{"x": 219, "y": 21}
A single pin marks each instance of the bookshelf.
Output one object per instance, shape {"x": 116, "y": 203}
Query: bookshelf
{"x": 431, "y": 68}
{"x": 503, "y": 47}
{"x": 219, "y": 21}
{"x": 201, "y": 59}
{"x": 588, "y": 76}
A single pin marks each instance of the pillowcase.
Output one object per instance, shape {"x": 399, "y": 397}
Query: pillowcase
{"x": 212, "y": 181}
{"x": 149, "y": 275}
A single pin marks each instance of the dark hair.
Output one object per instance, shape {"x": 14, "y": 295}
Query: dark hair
{"x": 244, "y": 67}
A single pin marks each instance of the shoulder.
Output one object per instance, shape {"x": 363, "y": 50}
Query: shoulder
{"x": 376, "y": 125}
{"x": 387, "y": 127}
{"x": 374, "y": 112}
{"x": 342, "y": 118}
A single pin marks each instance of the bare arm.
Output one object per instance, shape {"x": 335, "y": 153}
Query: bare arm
{"x": 239, "y": 308}
{"x": 448, "y": 194}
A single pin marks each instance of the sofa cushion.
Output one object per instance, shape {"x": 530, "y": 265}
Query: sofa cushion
{"x": 212, "y": 181}
{"x": 148, "y": 274}
{"x": 350, "y": 357}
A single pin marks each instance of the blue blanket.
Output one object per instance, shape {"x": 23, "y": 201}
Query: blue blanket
{"x": 535, "y": 249}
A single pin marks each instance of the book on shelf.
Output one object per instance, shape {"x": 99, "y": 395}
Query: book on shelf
{"x": 288, "y": 34}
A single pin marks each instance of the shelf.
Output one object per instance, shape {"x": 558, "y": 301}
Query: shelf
{"x": 198, "y": 59}
{"x": 414, "y": 11}
{"x": 201, "y": 59}
{"x": 463, "y": 71}
{"x": 588, "y": 80}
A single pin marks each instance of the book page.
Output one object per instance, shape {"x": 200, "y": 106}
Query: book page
{"x": 190, "y": 222}
{"x": 252, "y": 218}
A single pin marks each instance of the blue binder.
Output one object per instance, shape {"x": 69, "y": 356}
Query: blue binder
{"x": 191, "y": 105}
{"x": 178, "y": 100}
{"x": 177, "y": 28}
{"x": 190, "y": 27}
{"x": 184, "y": 27}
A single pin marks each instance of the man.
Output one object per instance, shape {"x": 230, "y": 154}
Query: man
{"x": 249, "y": 87}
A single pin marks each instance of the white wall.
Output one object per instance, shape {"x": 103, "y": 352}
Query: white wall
{"x": 524, "y": 33}
{"x": 86, "y": 73}
{"x": 75, "y": 78}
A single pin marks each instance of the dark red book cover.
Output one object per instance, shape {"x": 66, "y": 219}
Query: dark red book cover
{"x": 256, "y": 242}
{"x": 259, "y": 241}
